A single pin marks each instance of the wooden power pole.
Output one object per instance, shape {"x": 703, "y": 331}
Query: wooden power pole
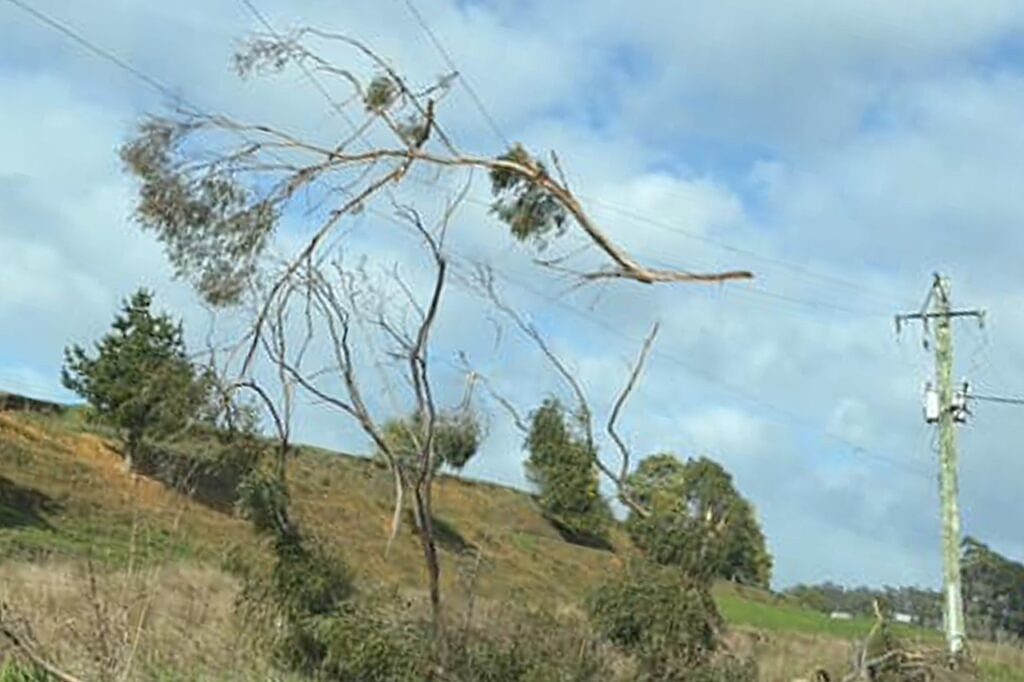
{"x": 946, "y": 406}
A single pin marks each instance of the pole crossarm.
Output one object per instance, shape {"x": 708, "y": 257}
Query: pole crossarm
{"x": 905, "y": 317}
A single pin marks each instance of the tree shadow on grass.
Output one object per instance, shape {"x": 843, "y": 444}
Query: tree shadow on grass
{"x": 24, "y": 507}
{"x": 446, "y": 536}
{"x": 580, "y": 538}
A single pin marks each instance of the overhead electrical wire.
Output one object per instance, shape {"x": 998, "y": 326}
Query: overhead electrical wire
{"x": 782, "y": 416}
{"x": 491, "y": 120}
{"x": 92, "y": 47}
{"x": 996, "y": 399}
{"x": 788, "y": 415}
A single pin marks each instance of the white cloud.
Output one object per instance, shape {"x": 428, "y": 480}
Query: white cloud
{"x": 871, "y": 142}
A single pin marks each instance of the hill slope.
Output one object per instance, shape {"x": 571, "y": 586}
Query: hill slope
{"x": 65, "y": 497}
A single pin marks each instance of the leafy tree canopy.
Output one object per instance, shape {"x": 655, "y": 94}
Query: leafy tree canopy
{"x": 993, "y": 590}
{"x": 698, "y": 520}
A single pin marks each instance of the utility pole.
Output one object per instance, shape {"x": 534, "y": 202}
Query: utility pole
{"x": 946, "y": 407}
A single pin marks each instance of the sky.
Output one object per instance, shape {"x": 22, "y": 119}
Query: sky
{"x": 842, "y": 151}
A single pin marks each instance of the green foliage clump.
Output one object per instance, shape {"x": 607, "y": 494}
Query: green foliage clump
{"x": 213, "y": 228}
{"x": 994, "y": 591}
{"x": 375, "y": 640}
{"x": 381, "y": 93}
{"x": 561, "y": 464}
{"x": 212, "y": 462}
{"x": 284, "y": 606}
{"x": 698, "y": 521}
{"x": 530, "y": 210}
{"x": 140, "y": 380}
{"x": 531, "y": 646}
{"x": 667, "y": 622}
{"x": 12, "y": 671}
{"x": 457, "y": 437}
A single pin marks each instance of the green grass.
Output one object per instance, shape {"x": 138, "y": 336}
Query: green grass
{"x": 1000, "y": 672}
{"x": 18, "y": 672}
{"x": 774, "y": 614}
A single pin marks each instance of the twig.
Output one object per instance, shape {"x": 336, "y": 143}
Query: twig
{"x": 29, "y": 652}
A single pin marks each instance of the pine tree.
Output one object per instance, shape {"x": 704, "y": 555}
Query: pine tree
{"x": 140, "y": 380}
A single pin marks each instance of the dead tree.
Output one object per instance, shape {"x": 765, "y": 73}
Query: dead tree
{"x": 215, "y": 189}
{"x": 334, "y": 304}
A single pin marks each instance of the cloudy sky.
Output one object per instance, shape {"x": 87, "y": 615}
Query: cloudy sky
{"x": 843, "y": 151}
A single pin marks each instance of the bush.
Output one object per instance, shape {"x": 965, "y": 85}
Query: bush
{"x": 667, "y": 622}
{"x": 284, "y": 606}
{"x": 375, "y": 641}
{"x": 528, "y": 646}
{"x": 210, "y": 468}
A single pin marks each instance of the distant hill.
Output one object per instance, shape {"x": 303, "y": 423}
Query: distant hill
{"x": 13, "y": 402}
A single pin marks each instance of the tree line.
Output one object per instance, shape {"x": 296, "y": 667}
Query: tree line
{"x": 993, "y": 596}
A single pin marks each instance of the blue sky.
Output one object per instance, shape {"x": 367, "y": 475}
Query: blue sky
{"x": 843, "y": 151}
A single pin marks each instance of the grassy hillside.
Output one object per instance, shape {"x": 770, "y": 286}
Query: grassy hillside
{"x": 65, "y": 499}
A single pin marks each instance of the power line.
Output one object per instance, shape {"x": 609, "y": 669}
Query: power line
{"x": 756, "y": 291}
{"x": 625, "y": 212}
{"x": 996, "y": 399}
{"x": 103, "y": 53}
{"x": 674, "y": 228}
{"x": 446, "y": 55}
{"x": 163, "y": 89}
{"x": 740, "y": 291}
{"x": 788, "y": 417}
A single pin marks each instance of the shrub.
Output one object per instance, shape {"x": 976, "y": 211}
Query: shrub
{"x": 528, "y": 646}
{"x": 667, "y": 622}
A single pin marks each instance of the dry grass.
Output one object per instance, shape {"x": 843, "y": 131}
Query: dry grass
{"x": 156, "y": 582}
{"x": 342, "y": 500}
{"x": 126, "y": 625}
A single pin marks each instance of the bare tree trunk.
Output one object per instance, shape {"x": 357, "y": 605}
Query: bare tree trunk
{"x": 425, "y": 528}
{"x": 131, "y": 450}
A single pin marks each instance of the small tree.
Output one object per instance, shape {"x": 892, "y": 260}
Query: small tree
{"x": 561, "y": 466}
{"x": 697, "y": 520}
{"x": 140, "y": 380}
{"x": 457, "y": 438}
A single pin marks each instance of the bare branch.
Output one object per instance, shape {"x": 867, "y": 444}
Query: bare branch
{"x": 624, "y": 395}
{"x": 23, "y": 646}
{"x": 485, "y": 281}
